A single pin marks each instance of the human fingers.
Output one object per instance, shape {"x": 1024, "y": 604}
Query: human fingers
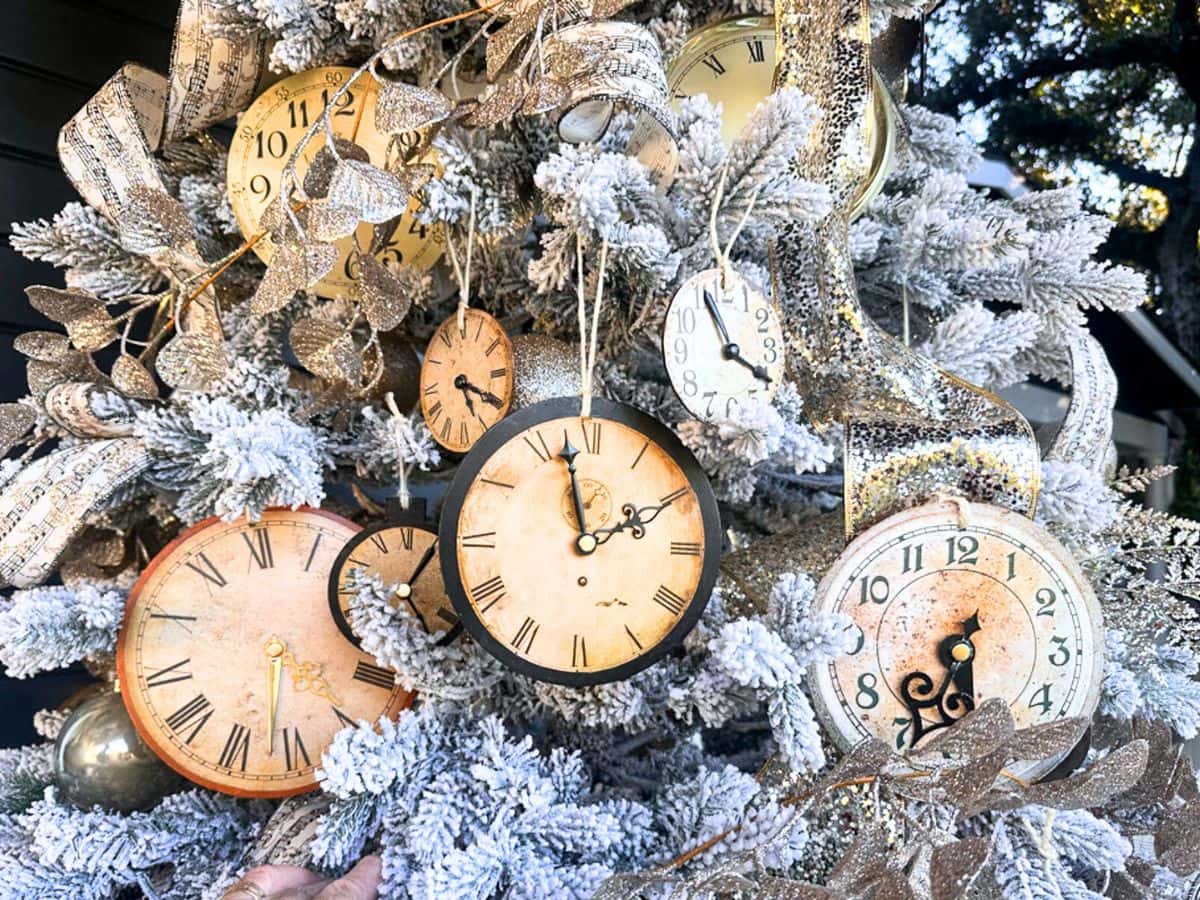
{"x": 262, "y": 882}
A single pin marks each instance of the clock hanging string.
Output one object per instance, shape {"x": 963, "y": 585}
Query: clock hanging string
{"x": 399, "y": 420}
{"x": 722, "y": 255}
{"x": 462, "y": 273}
{"x": 588, "y": 337}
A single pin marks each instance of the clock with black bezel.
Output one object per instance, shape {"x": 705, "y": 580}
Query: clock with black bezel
{"x": 402, "y": 551}
{"x": 579, "y": 550}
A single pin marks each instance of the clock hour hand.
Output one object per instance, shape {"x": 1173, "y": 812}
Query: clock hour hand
{"x": 635, "y": 521}
{"x": 957, "y": 653}
{"x": 729, "y": 349}
{"x": 405, "y": 590}
{"x": 275, "y": 648}
{"x": 586, "y": 542}
{"x": 463, "y": 384}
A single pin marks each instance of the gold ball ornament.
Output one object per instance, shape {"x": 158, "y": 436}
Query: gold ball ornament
{"x": 543, "y": 368}
{"x": 101, "y": 760}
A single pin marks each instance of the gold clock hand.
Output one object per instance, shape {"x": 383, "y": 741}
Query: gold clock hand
{"x": 274, "y": 649}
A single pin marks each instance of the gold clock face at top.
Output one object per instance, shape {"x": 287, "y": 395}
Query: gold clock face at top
{"x": 733, "y": 62}
{"x": 466, "y": 379}
{"x": 267, "y": 135}
{"x": 1022, "y": 615}
{"x": 569, "y": 603}
{"x": 404, "y": 556}
{"x": 723, "y": 345}
{"x": 231, "y": 667}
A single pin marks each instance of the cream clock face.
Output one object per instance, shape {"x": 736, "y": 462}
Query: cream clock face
{"x": 267, "y": 135}
{"x": 722, "y": 344}
{"x": 947, "y": 614}
{"x": 579, "y": 550}
{"x": 232, "y": 668}
{"x": 466, "y": 379}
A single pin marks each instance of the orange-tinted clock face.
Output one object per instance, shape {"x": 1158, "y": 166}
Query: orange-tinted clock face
{"x": 466, "y": 379}
{"x": 231, "y": 666}
{"x": 269, "y": 132}
{"x": 579, "y": 550}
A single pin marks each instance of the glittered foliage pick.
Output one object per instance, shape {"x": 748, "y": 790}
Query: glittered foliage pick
{"x": 374, "y": 194}
{"x": 406, "y": 107}
{"x": 152, "y": 221}
{"x": 327, "y": 350}
{"x": 381, "y": 294}
{"x": 15, "y": 421}
{"x": 320, "y": 170}
{"x": 133, "y": 379}
{"x": 192, "y": 362}
{"x": 294, "y": 267}
{"x": 88, "y": 324}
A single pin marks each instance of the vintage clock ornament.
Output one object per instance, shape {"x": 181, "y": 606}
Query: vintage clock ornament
{"x": 722, "y": 344}
{"x": 466, "y": 378}
{"x": 402, "y": 551}
{"x": 266, "y": 137}
{"x": 951, "y": 604}
{"x": 733, "y": 63}
{"x": 579, "y": 550}
{"x": 232, "y": 668}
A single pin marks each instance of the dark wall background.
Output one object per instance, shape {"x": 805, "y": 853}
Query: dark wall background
{"x": 54, "y": 54}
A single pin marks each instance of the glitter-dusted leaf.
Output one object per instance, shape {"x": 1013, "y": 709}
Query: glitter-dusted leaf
{"x": 382, "y": 295}
{"x": 499, "y": 104}
{"x": 376, "y": 195}
{"x": 192, "y": 362}
{"x": 406, "y": 107}
{"x": 546, "y": 94}
{"x": 330, "y": 221}
{"x": 48, "y": 346}
{"x": 865, "y": 759}
{"x": 88, "y": 324}
{"x": 72, "y": 366}
{"x": 1177, "y": 842}
{"x": 293, "y": 268}
{"x": 320, "y": 170}
{"x": 280, "y": 226}
{"x": 955, "y": 865}
{"x": 631, "y": 885}
{"x": 413, "y": 176}
{"x": 864, "y": 863}
{"x": 1112, "y": 775}
{"x": 133, "y": 379}
{"x": 15, "y": 421}
{"x": 1168, "y": 772}
{"x": 772, "y": 888}
{"x": 979, "y": 733}
{"x": 152, "y": 221}
{"x": 326, "y": 349}
{"x": 1048, "y": 739}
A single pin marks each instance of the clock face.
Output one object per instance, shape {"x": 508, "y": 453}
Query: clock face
{"x": 231, "y": 667}
{"x": 722, "y": 344}
{"x": 964, "y": 612}
{"x": 466, "y": 379}
{"x": 733, "y": 63}
{"x": 401, "y": 555}
{"x": 267, "y": 135}
{"x": 570, "y": 603}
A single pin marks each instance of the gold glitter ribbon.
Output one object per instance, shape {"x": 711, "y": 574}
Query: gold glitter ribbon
{"x": 911, "y": 429}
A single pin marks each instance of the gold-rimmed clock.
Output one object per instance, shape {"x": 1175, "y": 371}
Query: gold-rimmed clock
{"x": 230, "y": 665}
{"x": 733, "y": 62}
{"x": 267, "y": 135}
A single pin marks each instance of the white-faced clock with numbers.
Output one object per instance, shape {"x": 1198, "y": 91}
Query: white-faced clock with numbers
{"x": 952, "y": 604}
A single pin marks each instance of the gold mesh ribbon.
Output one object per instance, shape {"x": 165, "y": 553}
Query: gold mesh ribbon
{"x": 911, "y": 429}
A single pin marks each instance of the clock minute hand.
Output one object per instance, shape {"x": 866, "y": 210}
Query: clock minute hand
{"x": 585, "y": 543}
{"x": 275, "y": 648}
{"x": 729, "y": 349}
{"x": 487, "y": 397}
{"x": 635, "y": 521}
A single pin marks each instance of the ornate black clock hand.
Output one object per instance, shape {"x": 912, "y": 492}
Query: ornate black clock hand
{"x": 461, "y": 382}
{"x": 586, "y": 541}
{"x": 635, "y": 521}
{"x": 405, "y": 590}
{"x": 466, "y": 397}
{"x": 729, "y": 349}
{"x": 957, "y": 653}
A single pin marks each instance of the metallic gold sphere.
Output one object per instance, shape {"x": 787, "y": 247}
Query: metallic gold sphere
{"x": 100, "y": 760}
{"x": 543, "y": 368}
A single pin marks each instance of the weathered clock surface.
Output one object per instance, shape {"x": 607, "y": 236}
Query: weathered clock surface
{"x": 950, "y": 609}
{"x": 723, "y": 345}
{"x": 466, "y": 379}
{"x": 579, "y": 550}
{"x": 403, "y": 556}
{"x": 267, "y": 135}
{"x": 232, "y": 668}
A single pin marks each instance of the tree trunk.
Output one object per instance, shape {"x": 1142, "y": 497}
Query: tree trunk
{"x": 1179, "y": 256}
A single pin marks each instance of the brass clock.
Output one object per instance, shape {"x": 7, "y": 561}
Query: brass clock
{"x": 231, "y": 667}
{"x": 267, "y": 135}
{"x": 723, "y": 345}
{"x": 403, "y": 554}
{"x": 579, "y": 550}
{"x": 952, "y": 604}
{"x": 466, "y": 379}
{"x": 733, "y": 62}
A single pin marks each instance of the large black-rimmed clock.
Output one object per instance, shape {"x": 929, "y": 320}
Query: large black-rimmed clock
{"x": 576, "y": 550}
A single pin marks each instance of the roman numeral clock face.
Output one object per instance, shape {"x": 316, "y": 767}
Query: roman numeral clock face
{"x": 231, "y": 666}
{"x": 950, "y": 611}
{"x": 579, "y": 550}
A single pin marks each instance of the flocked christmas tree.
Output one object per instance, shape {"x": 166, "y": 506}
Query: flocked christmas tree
{"x": 708, "y": 773}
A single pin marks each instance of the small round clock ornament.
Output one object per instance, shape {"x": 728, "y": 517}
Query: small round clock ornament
{"x": 401, "y": 551}
{"x": 267, "y": 135}
{"x": 579, "y": 549}
{"x": 722, "y": 343}
{"x": 953, "y": 603}
{"x": 231, "y": 667}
